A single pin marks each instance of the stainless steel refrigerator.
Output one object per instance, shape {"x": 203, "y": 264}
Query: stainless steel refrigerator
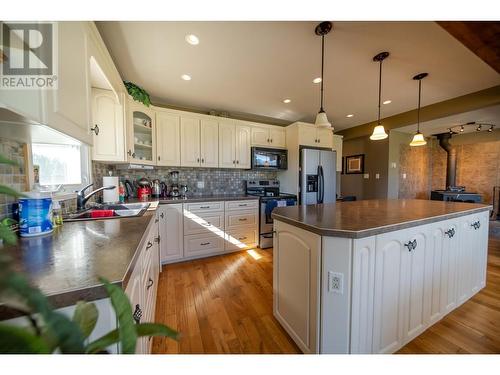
{"x": 317, "y": 176}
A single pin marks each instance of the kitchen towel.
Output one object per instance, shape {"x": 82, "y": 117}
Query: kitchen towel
{"x": 110, "y": 196}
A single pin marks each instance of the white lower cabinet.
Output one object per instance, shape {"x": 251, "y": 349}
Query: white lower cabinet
{"x": 171, "y": 232}
{"x": 195, "y": 230}
{"x": 143, "y": 283}
{"x": 296, "y": 284}
{"x": 395, "y": 285}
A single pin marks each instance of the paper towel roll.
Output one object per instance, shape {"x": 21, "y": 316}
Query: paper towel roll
{"x": 110, "y": 196}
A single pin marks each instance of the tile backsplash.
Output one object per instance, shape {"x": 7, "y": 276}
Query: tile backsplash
{"x": 12, "y": 176}
{"x": 217, "y": 181}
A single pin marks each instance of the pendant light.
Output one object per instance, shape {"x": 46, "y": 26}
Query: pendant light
{"x": 322, "y": 29}
{"x": 379, "y": 131}
{"x": 418, "y": 138}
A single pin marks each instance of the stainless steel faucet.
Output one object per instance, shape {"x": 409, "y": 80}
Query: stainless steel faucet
{"x": 81, "y": 198}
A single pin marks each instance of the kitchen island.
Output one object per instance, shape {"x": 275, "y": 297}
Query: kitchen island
{"x": 369, "y": 276}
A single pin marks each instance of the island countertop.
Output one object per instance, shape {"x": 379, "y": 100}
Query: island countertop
{"x": 66, "y": 264}
{"x": 365, "y": 218}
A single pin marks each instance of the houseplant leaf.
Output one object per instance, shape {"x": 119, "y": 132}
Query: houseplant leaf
{"x": 143, "y": 329}
{"x": 7, "y": 235}
{"x": 85, "y": 317}
{"x": 4, "y": 160}
{"x": 126, "y": 323}
{"x": 19, "y": 340}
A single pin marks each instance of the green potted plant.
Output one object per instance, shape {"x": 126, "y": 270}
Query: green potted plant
{"x": 137, "y": 93}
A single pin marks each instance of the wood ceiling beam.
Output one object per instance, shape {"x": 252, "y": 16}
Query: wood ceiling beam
{"x": 466, "y": 103}
{"x": 481, "y": 37}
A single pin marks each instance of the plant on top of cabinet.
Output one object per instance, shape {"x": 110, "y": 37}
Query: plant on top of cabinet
{"x": 138, "y": 93}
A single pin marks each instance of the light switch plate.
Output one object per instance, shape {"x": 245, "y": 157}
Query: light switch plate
{"x": 393, "y": 164}
{"x": 366, "y": 176}
{"x": 377, "y": 176}
{"x": 404, "y": 176}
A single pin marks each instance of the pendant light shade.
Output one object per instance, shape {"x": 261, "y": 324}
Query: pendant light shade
{"x": 379, "y": 130}
{"x": 378, "y": 133}
{"x": 322, "y": 29}
{"x": 418, "y": 138}
{"x": 322, "y": 120}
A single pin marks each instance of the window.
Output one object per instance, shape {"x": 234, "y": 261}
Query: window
{"x": 60, "y": 164}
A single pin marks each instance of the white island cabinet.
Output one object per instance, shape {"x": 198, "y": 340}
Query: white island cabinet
{"x": 341, "y": 286}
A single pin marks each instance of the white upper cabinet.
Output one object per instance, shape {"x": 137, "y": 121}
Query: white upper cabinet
{"x": 243, "y": 158}
{"x": 311, "y": 135}
{"x": 234, "y": 146}
{"x": 209, "y": 143}
{"x": 227, "y": 145}
{"x": 268, "y": 136}
{"x": 190, "y": 142}
{"x": 168, "y": 139}
{"x": 108, "y": 131}
{"x": 141, "y": 133}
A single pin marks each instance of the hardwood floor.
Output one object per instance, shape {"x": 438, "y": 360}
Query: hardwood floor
{"x": 223, "y": 304}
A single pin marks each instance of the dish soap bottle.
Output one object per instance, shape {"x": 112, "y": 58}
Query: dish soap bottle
{"x": 121, "y": 192}
{"x": 57, "y": 218}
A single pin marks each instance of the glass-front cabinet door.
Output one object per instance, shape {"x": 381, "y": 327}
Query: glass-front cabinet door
{"x": 141, "y": 131}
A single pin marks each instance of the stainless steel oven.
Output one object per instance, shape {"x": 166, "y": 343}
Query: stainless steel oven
{"x": 269, "y": 158}
{"x": 270, "y": 198}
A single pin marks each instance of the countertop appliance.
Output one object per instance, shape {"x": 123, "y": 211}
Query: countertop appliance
{"x": 269, "y": 158}
{"x": 270, "y": 197}
{"x": 174, "y": 188}
{"x": 317, "y": 176}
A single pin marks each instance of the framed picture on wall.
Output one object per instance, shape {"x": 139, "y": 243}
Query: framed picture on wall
{"x": 355, "y": 164}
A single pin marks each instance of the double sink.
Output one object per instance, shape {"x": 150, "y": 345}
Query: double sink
{"x": 108, "y": 211}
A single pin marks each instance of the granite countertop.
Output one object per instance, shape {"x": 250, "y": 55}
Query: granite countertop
{"x": 193, "y": 198}
{"x": 66, "y": 265}
{"x": 365, "y": 218}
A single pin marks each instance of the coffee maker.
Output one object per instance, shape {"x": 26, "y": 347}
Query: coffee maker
{"x": 174, "y": 187}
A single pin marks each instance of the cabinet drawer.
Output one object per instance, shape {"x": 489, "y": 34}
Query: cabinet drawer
{"x": 204, "y": 206}
{"x": 238, "y": 218}
{"x": 242, "y": 205}
{"x": 202, "y": 244}
{"x": 241, "y": 239}
{"x": 203, "y": 222}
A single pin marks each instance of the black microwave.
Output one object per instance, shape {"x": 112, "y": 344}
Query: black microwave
{"x": 269, "y": 158}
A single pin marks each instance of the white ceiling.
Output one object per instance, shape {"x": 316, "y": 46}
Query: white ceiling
{"x": 250, "y": 67}
{"x": 488, "y": 115}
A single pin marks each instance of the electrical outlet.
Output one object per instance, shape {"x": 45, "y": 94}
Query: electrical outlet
{"x": 366, "y": 176}
{"x": 393, "y": 165}
{"x": 200, "y": 184}
{"x": 404, "y": 176}
{"x": 377, "y": 175}
{"x": 335, "y": 282}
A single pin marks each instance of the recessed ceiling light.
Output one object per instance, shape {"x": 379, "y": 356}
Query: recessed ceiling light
{"x": 192, "y": 39}
{"x": 317, "y": 80}
{"x": 286, "y": 101}
{"x": 387, "y": 102}
{"x": 349, "y": 116}
{"x": 186, "y": 77}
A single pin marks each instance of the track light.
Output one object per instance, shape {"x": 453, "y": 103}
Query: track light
{"x": 478, "y": 129}
{"x": 462, "y": 129}
{"x": 490, "y": 129}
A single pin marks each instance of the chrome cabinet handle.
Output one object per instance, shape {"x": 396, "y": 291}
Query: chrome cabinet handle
{"x": 242, "y": 205}
{"x": 149, "y": 245}
{"x": 137, "y": 314}
{"x": 198, "y": 160}
{"x": 204, "y": 243}
{"x": 411, "y": 245}
{"x": 157, "y": 239}
{"x": 476, "y": 225}
{"x": 162, "y": 215}
{"x": 243, "y": 219}
{"x": 267, "y": 140}
{"x": 150, "y": 283}
{"x": 242, "y": 238}
{"x": 158, "y": 158}
{"x": 202, "y": 160}
{"x": 237, "y": 162}
{"x": 204, "y": 207}
{"x": 95, "y": 129}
